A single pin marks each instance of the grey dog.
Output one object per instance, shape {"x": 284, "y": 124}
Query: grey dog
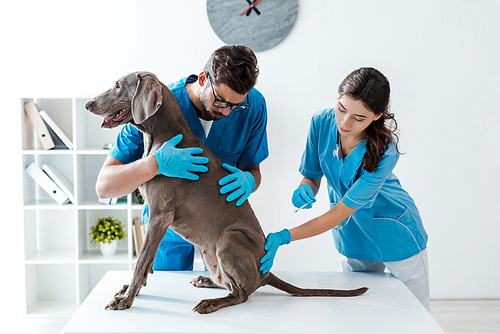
{"x": 230, "y": 238}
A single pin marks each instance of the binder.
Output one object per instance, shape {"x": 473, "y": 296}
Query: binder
{"x": 39, "y": 126}
{"x": 57, "y": 130}
{"x": 44, "y": 181}
{"x": 60, "y": 180}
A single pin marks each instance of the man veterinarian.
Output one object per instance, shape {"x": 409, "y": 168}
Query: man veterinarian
{"x": 227, "y": 114}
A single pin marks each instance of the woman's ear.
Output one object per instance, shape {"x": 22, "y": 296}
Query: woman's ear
{"x": 378, "y": 116}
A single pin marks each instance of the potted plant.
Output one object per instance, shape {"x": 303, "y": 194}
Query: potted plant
{"x": 105, "y": 234}
{"x": 138, "y": 195}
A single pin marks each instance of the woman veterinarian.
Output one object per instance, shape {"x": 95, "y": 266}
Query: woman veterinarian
{"x": 375, "y": 222}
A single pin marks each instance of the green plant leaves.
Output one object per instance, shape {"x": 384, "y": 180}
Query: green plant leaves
{"x": 106, "y": 230}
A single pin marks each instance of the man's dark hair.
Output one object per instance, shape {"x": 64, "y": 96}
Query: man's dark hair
{"x": 234, "y": 66}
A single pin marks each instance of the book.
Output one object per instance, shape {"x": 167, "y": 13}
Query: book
{"x": 39, "y": 126}
{"x": 57, "y": 131}
{"x": 139, "y": 235}
{"x": 136, "y": 242}
{"x": 55, "y": 174}
{"x": 46, "y": 183}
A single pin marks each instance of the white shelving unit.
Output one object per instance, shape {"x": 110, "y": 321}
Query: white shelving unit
{"x": 61, "y": 265}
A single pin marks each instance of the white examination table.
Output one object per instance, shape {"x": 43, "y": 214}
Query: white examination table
{"x": 164, "y": 306}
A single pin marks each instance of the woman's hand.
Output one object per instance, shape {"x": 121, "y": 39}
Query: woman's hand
{"x": 303, "y": 195}
{"x": 273, "y": 241}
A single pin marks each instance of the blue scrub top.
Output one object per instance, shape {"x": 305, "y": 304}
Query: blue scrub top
{"x": 387, "y": 225}
{"x": 240, "y": 138}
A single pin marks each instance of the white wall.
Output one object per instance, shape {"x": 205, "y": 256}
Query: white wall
{"x": 441, "y": 58}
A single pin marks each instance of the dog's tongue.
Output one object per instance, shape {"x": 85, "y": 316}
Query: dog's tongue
{"x": 106, "y": 122}
{"x": 109, "y": 120}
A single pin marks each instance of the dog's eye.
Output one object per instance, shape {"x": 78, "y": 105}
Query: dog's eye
{"x": 118, "y": 85}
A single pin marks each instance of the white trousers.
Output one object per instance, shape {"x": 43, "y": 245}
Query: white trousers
{"x": 413, "y": 272}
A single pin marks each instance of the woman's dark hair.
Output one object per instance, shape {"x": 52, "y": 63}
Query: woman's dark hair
{"x": 234, "y": 66}
{"x": 372, "y": 88}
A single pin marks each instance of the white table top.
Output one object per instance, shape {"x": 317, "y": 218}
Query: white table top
{"x": 164, "y": 306}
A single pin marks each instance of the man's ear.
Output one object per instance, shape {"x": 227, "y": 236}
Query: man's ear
{"x": 203, "y": 78}
{"x": 147, "y": 99}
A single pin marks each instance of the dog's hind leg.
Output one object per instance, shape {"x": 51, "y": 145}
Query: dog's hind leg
{"x": 235, "y": 271}
{"x": 204, "y": 282}
{"x": 211, "y": 264}
{"x": 156, "y": 230}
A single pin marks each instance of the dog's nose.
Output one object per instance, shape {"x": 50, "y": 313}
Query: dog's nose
{"x": 88, "y": 105}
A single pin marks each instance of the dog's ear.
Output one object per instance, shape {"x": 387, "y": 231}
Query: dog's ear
{"x": 147, "y": 99}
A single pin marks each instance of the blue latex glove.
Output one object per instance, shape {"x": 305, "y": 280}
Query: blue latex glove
{"x": 273, "y": 241}
{"x": 240, "y": 183}
{"x": 302, "y": 195}
{"x": 180, "y": 162}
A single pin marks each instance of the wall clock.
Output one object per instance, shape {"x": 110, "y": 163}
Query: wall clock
{"x": 258, "y": 24}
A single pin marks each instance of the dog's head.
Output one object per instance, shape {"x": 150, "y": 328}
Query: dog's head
{"x": 135, "y": 97}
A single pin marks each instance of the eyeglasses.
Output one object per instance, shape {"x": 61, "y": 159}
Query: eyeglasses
{"x": 223, "y": 104}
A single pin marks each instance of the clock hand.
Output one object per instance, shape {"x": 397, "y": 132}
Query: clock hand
{"x": 250, "y": 7}
{"x": 249, "y": 11}
{"x": 254, "y": 8}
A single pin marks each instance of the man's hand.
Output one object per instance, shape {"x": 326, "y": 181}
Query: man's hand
{"x": 240, "y": 183}
{"x": 180, "y": 162}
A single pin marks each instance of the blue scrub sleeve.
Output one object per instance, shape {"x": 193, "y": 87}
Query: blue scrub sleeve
{"x": 129, "y": 145}
{"x": 256, "y": 149}
{"x": 310, "y": 166}
{"x": 364, "y": 191}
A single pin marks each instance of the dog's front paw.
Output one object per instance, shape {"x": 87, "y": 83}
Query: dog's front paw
{"x": 122, "y": 291}
{"x": 207, "y": 306}
{"x": 120, "y": 302}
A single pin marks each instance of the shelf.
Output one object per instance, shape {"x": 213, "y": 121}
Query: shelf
{"x": 49, "y": 152}
{"x": 61, "y": 265}
{"x": 49, "y": 287}
{"x": 48, "y": 204}
{"x": 93, "y": 151}
{"x": 95, "y": 205}
{"x": 95, "y": 256}
{"x": 52, "y": 309}
{"x": 61, "y": 256}
{"x": 86, "y": 151}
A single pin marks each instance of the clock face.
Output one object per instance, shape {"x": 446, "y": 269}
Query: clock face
{"x": 258, "y": 24}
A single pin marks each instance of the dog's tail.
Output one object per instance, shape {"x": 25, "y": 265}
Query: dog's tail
{"x": 296, "y": 291}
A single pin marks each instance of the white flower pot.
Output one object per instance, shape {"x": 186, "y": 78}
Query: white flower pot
{"x": 108, "y": 249}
